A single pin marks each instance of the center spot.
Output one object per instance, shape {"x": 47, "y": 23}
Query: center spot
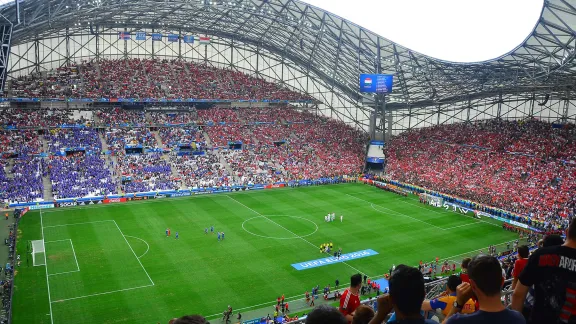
{"x": 280, "y": 227}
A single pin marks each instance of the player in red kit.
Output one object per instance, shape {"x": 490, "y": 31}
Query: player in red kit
{"x": 350, "y": 299}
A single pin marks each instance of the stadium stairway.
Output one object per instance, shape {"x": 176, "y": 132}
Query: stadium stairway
{"x": 10, "y": 174}
{"x": 158, "y": 138}
{"x": 110, "y": 161}
{"x": 221, "y": 159}
{"x": 47, "y": 194}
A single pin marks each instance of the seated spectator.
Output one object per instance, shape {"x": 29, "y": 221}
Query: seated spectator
{"x": 325, "y": 314}
{"x": 447, "y": 299}
{"x": 406, "y": 296}
{"x": 551, "y": 271}
{"x": 363, "y": 315}
{"x": 486, "y": 284}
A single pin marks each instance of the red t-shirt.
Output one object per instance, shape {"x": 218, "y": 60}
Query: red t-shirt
{"x": 518, "y": 267}
{"x": 348, "y": 302}
{"x": 464, "y": 277}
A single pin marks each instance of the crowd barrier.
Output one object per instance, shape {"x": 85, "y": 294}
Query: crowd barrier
{"x": 121, "y": 198}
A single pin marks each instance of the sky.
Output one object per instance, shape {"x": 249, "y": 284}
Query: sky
{"x": 451, "y": 30}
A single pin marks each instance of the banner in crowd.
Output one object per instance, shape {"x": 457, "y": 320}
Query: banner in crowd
{"x": 140, "y": 36}
{"x": 156, "y": 37}
{"x": 378, "y": 160}
{"x": 173, "y": 38}
{"x": 204, "y": 40}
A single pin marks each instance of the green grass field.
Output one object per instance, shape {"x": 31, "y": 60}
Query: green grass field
{"x": 114, "y": 264}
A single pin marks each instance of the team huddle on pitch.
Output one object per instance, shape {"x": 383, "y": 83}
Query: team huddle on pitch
{"x": 331, "y": 217}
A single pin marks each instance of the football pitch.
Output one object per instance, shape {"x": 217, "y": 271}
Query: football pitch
{"x": 114, "y": 263}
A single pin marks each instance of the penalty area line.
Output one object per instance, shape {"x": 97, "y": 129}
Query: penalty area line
{"x": 99, "y": 294}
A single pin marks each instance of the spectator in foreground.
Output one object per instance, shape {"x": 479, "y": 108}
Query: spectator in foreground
{"x": 325, "y": 314}
{"x": 486, "y": 281}
{"x": 446, "y": 301}
{"x": 523, "y": 254}
{"x": 350, "y": 299}
{"x": 189, "y": 319}
{"x": 406, "y": 296}
{"x": 552, "y": 272}
{"x": 363, "y": 315}
{"x": 464, "y": 273}
{"x": 549, "y": 240}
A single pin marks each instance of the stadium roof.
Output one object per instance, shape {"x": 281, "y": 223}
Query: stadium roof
{"x": 329, "y": 47}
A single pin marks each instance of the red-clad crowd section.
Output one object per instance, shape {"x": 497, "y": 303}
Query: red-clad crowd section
{"x": 148, "y": 79}
{"x": 528, "y": 167}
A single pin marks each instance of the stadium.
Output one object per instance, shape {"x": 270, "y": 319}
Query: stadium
{"x": 244, "y": 160}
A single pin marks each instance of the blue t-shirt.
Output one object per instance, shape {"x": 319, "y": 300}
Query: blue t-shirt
{"x": 506, "y": 316}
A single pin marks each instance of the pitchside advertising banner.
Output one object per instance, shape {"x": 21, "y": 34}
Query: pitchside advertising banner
{"x": 376, "y": 83}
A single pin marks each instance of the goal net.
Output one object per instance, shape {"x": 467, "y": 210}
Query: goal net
{"x": 431, "y": 200}
{"x": 38, "y": 253}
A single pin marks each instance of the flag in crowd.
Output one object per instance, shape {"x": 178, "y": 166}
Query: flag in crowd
{"x": 124, "y": 35}
{"x": 188, "y": 39}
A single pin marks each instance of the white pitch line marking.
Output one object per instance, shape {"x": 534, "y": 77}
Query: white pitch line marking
{"x": 305, "y": 240}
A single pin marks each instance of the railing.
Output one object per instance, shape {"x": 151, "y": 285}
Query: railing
{"x": 433, "y": 290}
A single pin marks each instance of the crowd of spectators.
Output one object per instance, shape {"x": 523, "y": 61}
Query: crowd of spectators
{"x": 117, "y": 117}
{"x": 201, "y": 171}
{"x": 80, "y": 175}
{"x": 274, "y": 149}
{"x": 172, "y": 118}
{"x": 503, "y": 171}
{"x": 22, "y": 181}
{"x": 21, "y": 142}
{"x": 172, "y": 136}
{"x": 149, "y": 78}
{"x": 86, "y": 138}
{"x": 218, "y": 115}
{"x": 59, "y": 83}
{"x": 145, "y": 172}
{"x": 118, "y": 138}
{"x": 18, "y": 118}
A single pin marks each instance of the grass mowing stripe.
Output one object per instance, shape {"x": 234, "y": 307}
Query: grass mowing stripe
{"x": 46, "y": 269}
{"x": 198, "y": 274}
{"x": 393, "y": 211}
{"x": 102, "y": 221}
{"x": 434, "y": 211}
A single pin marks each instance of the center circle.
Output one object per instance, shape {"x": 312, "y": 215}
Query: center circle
{"x": 274, "y": 221}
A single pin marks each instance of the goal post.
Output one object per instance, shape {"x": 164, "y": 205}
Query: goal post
{"x": 38, "y": 253}
{"x": 431, "y": 200}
